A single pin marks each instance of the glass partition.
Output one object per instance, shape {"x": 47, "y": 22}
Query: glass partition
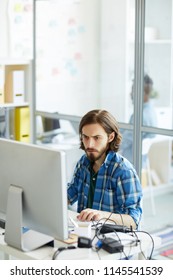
{"x": 85, "y": 60}
{"x": 157, "y": 158}
{"x": 85, "y": 57}
{"x": 157, "y": 151}
{"x": 158, "y": 59}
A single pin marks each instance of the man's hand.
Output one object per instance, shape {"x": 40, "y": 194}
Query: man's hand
{"x": 89, "y": 215}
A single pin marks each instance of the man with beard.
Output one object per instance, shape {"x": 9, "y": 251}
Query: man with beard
{"x": 105, "y": 184}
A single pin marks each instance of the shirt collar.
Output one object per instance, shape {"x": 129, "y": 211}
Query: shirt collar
{"x": 107, "y": 160}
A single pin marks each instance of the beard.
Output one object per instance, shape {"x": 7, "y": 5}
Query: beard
{"x": 94, "y": 155}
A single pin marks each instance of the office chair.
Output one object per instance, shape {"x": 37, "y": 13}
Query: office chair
{"x": 158, "y": 163}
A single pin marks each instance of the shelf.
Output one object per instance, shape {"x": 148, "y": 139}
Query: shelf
{"x": 16, "y": 97}
{"x": 14, "y": 61}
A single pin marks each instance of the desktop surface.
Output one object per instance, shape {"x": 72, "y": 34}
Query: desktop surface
{"x": 139, "y": 251}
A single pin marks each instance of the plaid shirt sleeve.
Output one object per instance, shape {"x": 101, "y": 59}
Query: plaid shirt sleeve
{"x": 129, "y": 194}
{"x": 117, "y": 190}
{"x": 79, "y": 186}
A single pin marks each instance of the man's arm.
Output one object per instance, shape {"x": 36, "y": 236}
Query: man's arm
{"x": 89, "y": 214}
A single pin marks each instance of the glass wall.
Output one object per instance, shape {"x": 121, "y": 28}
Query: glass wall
{"x": 117, "y": 57}
{"x": 158, "y": 59}
{"x": 67, "y": 56}
{"x": 16, "y": 32}
{"x": 157, "y": 158}
{"x": 85, "y": 57}
{"x": 157, "y": 151}
{"x": 90, "y": 54}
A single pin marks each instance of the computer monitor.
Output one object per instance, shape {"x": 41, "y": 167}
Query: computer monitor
{"x": 51, "y": 127}
{"x": 50, "y": 124}
{"x": 33, "y": 194}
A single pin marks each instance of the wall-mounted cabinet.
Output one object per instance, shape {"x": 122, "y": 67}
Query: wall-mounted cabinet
{"x": 16, "y": 98}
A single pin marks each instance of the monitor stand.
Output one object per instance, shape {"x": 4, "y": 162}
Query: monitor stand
{"x": 14, "y": 235}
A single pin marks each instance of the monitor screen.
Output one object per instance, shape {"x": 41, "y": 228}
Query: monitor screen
{"x": 35, "y": 177}
{"x": 50, "y": 124}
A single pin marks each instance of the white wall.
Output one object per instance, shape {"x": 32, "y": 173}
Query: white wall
{"x": 3, "y": 29}
{"x": 67, "y": 72}
{"x": 16, "y": 29}
{"x": 113, "y": 57}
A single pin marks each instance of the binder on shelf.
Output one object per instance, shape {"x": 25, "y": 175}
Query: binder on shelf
{"x": 15, "y": 87}
{"x": 22, "y": 124}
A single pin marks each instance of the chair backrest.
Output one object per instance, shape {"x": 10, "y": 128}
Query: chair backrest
{"x": 159, "y": 154}
{"x": 146, "y": 144}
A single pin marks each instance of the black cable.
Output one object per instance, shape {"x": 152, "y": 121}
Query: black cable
{"x": 105, "y": 220}
{"x": 57, "y": 252}
{"x": 152, "y": 249}
{"x": 96, "y": 250}
{"x": 132, "y": 243}
{"x": 97, "y": 230}
{"x": 117, "y": 235}
{"x": 60, "y": 249}
{"x": 126, "y": 257}
{"x": 126, "y": 245}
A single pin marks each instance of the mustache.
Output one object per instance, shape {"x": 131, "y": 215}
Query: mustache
{"x": 91, "y": 150}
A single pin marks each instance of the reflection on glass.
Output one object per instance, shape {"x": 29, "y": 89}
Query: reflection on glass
{"x": 158, "y": 152}
{"x": 117, "y": 35}
{"x": 149, "y": 113}
{"x": 158, "y": 57}
{"x": 149, "y": 119}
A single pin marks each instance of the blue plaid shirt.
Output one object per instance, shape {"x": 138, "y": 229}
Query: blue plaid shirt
{"x": 117, "y": 189}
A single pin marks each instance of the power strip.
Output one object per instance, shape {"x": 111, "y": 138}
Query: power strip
{"x": 112, "y": 246}
{"x": 106, "y": 228}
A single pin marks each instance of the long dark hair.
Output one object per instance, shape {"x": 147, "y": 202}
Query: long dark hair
{"x": 107, "y": 121}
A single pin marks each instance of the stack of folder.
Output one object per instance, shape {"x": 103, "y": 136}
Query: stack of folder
{"x": 22, "y": 124}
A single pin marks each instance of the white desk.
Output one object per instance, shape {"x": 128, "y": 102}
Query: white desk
{"x": 46, "y": 253}
{"x": 142, "y": 250}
